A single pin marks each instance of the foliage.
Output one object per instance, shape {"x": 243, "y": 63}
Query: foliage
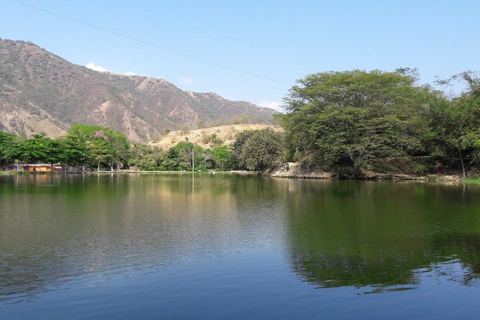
{"x": 472, "y": 181}
{"x": 420, "y": 168}
{"x": 74, "y": 151}
{"x": 222, "y": 156}
{"x": 346, "y": 119}
{"x": 39, "y": 148}
{"x": 7, "y": 144}
{"x": 99, "y": 145}
{"x": 455, "y": 123}
{"x": 344, "y": 122}
{"x": 180, "y": 157}
{"x": 184, "y": 152}
{"x": 258, "y": 150}
{"x": 146, "y": 157}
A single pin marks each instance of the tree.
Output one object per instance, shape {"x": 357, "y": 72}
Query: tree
{"x": 348, "y": 119}
{"x": 146, "y": 157}
{"x": 179, "y": 157}
{"x": 74, "y": 151}
{"x": 38, "y": 149}
{"x": 258, "y": 150}
{"x": 118, "y": 148}
{"x": 7, "y": 144}
{"x": 171, "y": 159}
{"x": 98, "y": 152}
{"x": 200, "y": 157}
{"x": 185, "y": 150}
{"x": 102, "y": 145}
{"x": 222, "y": 156}
{"x": 455, "y": 122}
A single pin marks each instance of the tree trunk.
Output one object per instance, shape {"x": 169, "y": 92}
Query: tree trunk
{"x": 461, "y": 161}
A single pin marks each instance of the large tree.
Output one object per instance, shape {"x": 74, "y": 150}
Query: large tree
{"x": 39, "y": 148}
{"x": 259, "y": 149}
{"x": 347, "y": 119}
{"x": 99, "y": 145}
{"x": 146, "y": 157}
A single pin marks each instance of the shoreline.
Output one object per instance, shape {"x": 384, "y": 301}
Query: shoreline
{"x": 294, "y": 172}
{"x": 237, "y": 172}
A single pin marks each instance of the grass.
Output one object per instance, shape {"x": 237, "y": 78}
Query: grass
{"x": 472, "y": 181}
{"x": 18, "y": 172}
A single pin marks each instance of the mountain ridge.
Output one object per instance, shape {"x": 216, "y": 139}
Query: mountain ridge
{"x": 41, "y": 92}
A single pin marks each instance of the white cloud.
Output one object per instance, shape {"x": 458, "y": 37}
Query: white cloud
{"x": 186, "y": 80}
{"x": 272, "y": 105}
{"x": 131, "y": 74}
{"x": 94, "y": 67}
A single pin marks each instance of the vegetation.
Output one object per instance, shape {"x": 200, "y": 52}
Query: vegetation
{"x": 455, "y": 123}
{"x": 472, "y": 181}
{"x": 343, "y": 122}
{"x": 7, "y": 149}
{"x": 258, "y": 150}
{"x": 103, "y": 148}
{"x": 38, "y": 149}
{"x": 83, "y": 145}
{"x": 348, "y": 122}
{"x": 96, "y": 145}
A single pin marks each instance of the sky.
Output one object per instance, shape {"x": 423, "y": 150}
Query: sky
{"x": 251, "y": 50}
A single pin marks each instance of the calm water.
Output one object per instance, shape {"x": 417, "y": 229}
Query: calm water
{"x": 229, "y": 247}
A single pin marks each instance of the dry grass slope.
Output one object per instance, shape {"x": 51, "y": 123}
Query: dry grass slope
{"x": 208, "y": 136}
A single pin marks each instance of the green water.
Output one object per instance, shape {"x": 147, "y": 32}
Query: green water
{"x": 224, "y": 246}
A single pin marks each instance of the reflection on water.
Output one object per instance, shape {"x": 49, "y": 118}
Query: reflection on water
{"x": 61, "y": 229}
{"x": 65, "y": 232}
{"x": 382, "y": 235}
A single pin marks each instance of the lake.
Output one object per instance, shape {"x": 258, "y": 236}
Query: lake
{"x": 236, "y": 247}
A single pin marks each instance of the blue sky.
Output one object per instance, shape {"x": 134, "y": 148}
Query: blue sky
{"x": 280, "y": 40}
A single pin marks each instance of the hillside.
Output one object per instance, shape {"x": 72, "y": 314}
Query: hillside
{"x": 43, "y": 93}
{"x": 207, "y": 136}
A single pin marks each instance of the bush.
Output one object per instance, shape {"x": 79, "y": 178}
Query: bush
{"x": 420, "y": 169}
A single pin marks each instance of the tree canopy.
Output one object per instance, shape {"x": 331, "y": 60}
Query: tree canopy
{"x": 39, "y": 148}
{"x": 7, "y": 147}
{"x": 97, "y": 145}
{"x": 258, "y": 150}
{"x": 455, "y": 123}
{"x": 346, "y": 119}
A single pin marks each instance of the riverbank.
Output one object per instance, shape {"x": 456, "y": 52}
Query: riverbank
{"x": 238, "y": 172}
{"x": 472, "y": 181}
{"x": 296, "y": 172}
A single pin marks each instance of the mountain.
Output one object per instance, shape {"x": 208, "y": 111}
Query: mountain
{"x": 43, "y": 93}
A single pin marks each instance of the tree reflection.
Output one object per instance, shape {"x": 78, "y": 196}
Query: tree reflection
{"x": 86, "y": 228}
{"x": 382, "y": 235}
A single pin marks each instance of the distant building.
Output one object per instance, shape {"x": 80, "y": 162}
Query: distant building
{"x": 38, "y": 167}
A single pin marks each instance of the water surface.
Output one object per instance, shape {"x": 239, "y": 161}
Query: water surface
{"x": 222, "y": 246}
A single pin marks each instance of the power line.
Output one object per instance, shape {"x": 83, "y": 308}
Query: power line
{"x": 150, "y": 43}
